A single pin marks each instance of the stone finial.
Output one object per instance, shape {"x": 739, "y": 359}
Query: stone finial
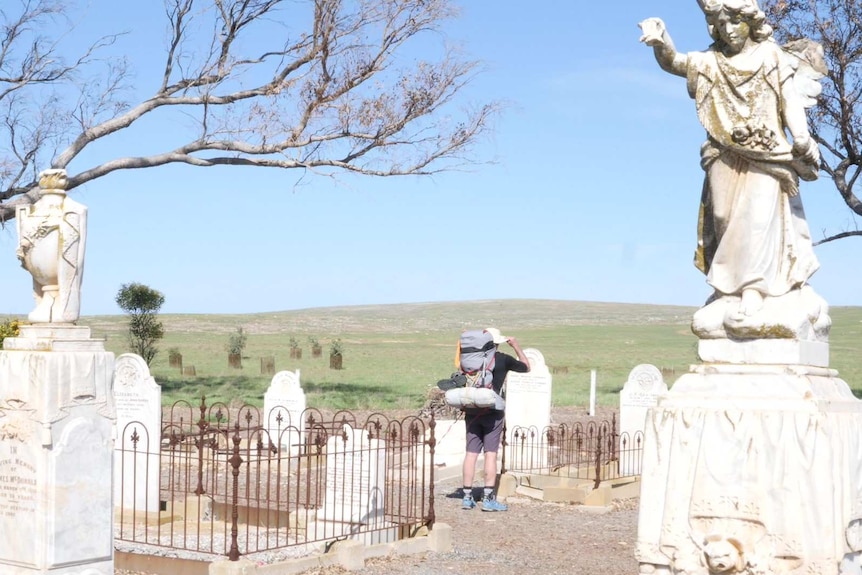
{"x": 53, "y": 179}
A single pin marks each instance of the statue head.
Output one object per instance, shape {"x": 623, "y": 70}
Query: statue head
{"x": 746, "y": 10}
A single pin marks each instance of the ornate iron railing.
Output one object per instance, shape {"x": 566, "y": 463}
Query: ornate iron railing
{"x": 592, "y": 451}
{"x": 230, "y": 485}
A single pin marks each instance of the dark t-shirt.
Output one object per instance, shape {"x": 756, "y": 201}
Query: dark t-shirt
{"x": 503, "y": 364}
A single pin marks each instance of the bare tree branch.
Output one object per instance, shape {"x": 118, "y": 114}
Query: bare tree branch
{"x": 839, "y": 236}
{"x": 329, "y": 94}
{"x": 836, "y": 119}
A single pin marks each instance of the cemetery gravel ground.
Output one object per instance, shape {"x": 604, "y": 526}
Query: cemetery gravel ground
{"x": 532, "y": 537}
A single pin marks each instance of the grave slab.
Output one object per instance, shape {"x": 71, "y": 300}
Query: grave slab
{"x": 528, "y": 413}
{"x": 641, "y": 391}
{"x": 283, "y": 407}
{"x": 138, "y": 403}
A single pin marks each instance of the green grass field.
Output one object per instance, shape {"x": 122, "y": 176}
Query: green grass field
{"x": 393, "y": 354}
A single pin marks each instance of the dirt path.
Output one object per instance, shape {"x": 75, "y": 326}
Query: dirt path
{"x": 531, "y": 537}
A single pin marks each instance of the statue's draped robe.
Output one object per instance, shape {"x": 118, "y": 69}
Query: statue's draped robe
{"x": 751, "y": 229}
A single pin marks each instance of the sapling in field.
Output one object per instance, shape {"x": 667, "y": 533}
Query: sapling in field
{"x": 142, "y": 303}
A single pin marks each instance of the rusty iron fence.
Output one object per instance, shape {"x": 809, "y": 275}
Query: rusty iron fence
{"x": 595, "y": 451}
{"x": 231, "y": 483}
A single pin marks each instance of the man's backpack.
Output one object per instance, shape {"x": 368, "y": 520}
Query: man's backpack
{"x": 476, "y": 351}
{"x": 475, "y": 360}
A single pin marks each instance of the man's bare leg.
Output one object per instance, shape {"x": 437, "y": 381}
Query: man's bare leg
{"x": 490, "y": 468}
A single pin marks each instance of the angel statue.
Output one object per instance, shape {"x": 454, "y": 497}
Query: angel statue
{"x": 750, "y": 94}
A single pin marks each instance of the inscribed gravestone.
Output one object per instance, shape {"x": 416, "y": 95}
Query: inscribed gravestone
{"x": 641, "y": 391}
{"x": 138, "y": 401}
{"x": 283, "y": 404}
{"x": 19, "y": 487}
{"x": 355, "y": 474}
{"x": 528, "y": 413}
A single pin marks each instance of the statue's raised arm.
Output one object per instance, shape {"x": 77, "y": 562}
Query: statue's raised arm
{"x": 655, "y": 34}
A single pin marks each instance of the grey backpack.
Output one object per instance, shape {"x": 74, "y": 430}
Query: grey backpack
{"x": 476, "y": 352}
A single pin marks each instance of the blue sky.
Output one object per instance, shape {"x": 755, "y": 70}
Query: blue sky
{"x": 593, "y": 194}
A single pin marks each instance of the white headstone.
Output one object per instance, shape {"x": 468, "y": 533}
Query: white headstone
{"x": 138, "y": 400}
{"x": 641, "y": 391}
{"x": 528, "y": 413}
{"x": 355, "y": 474}
{"x": 283, "y": 404}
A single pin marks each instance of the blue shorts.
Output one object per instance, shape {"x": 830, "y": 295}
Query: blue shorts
{"x": 484, "y": 430}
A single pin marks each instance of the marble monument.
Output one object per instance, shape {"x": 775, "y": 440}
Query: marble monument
{"x": 753, "y": 459}
{"x": 56, "y": 408}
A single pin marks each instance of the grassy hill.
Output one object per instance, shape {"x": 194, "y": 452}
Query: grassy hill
{"x": 393, "y": 354}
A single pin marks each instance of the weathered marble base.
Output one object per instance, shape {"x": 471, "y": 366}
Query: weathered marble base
{"x": 56, "y": 447}
{"x": 53, "y": 337}
{"x": 800, "y": 315}
{"x": 764, "y": 351}
{"x": 752, "y": 469}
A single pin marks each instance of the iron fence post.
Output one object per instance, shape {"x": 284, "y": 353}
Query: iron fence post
{"x": 432, "y": 443}
{"x": 235, "y": 462}
{"x": 598, "y": 459}
{"x": 202, "y": 426}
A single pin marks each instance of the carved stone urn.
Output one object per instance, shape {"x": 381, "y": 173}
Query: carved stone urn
{"x": 51, "y": 236}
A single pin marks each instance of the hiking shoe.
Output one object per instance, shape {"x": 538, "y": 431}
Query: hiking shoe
{"x": 468, "y": 502}
{"x": 493, "y": 505}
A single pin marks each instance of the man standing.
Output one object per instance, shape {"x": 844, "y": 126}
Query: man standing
{"x": 485, "y": 427}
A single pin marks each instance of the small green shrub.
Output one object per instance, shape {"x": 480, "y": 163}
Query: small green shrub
{"x": 9, "y": 328}
{"x": 236, "y": 342}
{"x": 336, "y": 347}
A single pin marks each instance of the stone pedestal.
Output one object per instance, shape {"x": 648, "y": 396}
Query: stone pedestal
{"x": 56, "y": 446}
{"x": 752, "y": 469}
